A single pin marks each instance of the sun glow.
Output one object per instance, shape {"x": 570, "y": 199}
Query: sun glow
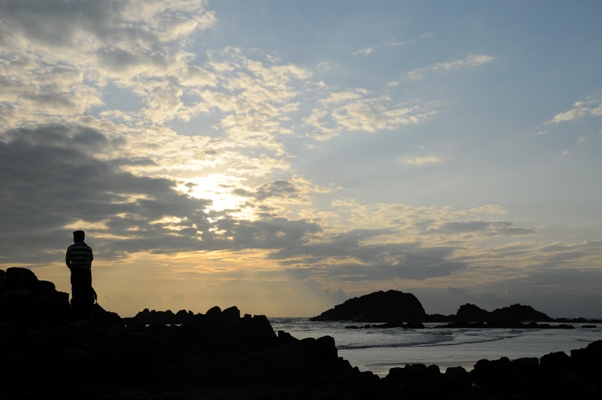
{"x": 216, "y": 188}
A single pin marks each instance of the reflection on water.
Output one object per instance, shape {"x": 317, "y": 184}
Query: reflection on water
{"x": 378, "y": 349}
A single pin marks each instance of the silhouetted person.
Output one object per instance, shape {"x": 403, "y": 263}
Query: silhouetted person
{"x": 79, "y": 260}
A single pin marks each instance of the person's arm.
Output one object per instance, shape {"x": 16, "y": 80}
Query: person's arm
{"x": 68, "y": 260}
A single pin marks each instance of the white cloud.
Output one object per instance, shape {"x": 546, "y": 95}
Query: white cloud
{"x": 592, "y": 106}
{"x": 470, "y": 61}
{"x": 363, "y": 52}
{"x": 57, "y": 57}
{"x": 357, "y": 110}
{"x": 422, "y": 160}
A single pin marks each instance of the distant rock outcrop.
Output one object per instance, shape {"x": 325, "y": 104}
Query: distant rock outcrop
{"x": 390, "y": 306}
{"x": 516, "y": 312}
{"x": 471, "y": 313}
{"x": 519, "y": 312}
{"x": 394, "y": 307}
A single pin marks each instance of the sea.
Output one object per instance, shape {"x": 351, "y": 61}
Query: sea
{"x": 380, "y": 349}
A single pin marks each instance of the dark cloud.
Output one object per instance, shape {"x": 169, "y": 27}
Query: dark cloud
{"x": 560, "y": 292}
{"x": 119, "y": 61}
{"x": 279, "y": 189}
{"x": 552, "y": 257}
{"x": 60, "y": 22}
{"x": 140, "y": 162}
{"x": 52, "y": 179}
{"x": 346, "y": 257}
{"x": 459, "y": 292}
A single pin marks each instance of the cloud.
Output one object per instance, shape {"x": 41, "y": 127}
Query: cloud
{"x": 55, "y": 75}
{"x": 56, "y": 57}
{"x": 281, "y": 189}
{"x": 592, "y": 106}
{"x": 53, "y": 183}
{"x": 470, "y": 61}
{"x": 355, "y": 256}
{"x": 489, "y": 228}
{"x": 357, "y": 110}
{"x": 560, "y": 292}
{"x": 389, "y": 263}
{"x": 363, "y": 52}
{"x": 368, "y": 50}
{"x": 80, "y": 23}
{"x": 33, "y": 91}
{"x": 422, "y": 160}
{"x": 116, "y": 119}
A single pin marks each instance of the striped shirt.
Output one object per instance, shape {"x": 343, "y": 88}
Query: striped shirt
{"x": 79, "y": 255}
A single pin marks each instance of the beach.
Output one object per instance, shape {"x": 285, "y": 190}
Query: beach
{"x": 380, "y": 349}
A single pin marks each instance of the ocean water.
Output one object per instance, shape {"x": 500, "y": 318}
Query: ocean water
{"x": 380, "y": 349}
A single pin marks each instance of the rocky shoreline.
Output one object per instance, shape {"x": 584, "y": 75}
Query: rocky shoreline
{"x": 45, "y": 353}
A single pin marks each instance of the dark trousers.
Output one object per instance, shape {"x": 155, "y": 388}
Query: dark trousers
{"x": 82, "y": 296}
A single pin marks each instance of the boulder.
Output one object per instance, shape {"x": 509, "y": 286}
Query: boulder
{"x": 555, "y": 360}
{"x": 485, "y": 370}
{"x": 457, "y": 379}
{"x": 29, "y": 302}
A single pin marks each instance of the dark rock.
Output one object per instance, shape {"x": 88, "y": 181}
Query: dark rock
{"x": 484, "y": 370}
{"x": 19, "y": 278}
{"x": 457, "y": 379}
{"x": 147, "y": 317}
{"x": 286, "y": 338}
{"x": 516, "y": 312}
{"x": 183, "y": 316}
{"x": 408, "y": 371}
{"x": 213, "y": 312}
{"x": 377, "y": 307}
{"x": 557, "y": 359}
{"x": 440, "y": 318}
{"x": 50, "y": 338}
{"x": 504, "y": 324}
{"x": 231, "y": 314}
{"x": 471, "y": 313}
{"x": 30, "y": 303}
{"x": 221, "y": 355}
{"x": 520, "y": 313}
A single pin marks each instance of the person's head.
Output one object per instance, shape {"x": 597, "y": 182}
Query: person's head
{"x": 79, "y": 236}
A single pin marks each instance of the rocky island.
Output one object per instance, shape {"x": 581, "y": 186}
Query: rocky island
{"x": 397, "y": 309}
{"x": 390, "y": 306}
{"x": 45, "y": 353}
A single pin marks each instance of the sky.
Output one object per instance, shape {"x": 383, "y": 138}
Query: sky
{"x": 285, "y": 156}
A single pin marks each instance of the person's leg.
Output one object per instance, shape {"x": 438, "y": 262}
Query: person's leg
{"x": 81, "y": 292}
{"x": 89, "y": 296}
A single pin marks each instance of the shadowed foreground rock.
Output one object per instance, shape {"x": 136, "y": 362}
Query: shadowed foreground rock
{"x": 45, "y": 354}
